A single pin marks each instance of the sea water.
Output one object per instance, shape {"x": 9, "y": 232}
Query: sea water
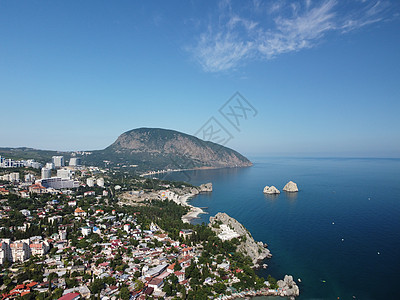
{"x": 340, "y": 234}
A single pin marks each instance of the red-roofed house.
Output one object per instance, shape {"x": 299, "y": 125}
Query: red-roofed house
{"x": 37, "y": 188}
{"x": 79, "y": 212}
{"x": 4, "y": 191}
{"x": 70, "y": 296}
{"x": 180, "y": 275}
{"x": 40, "y": 248}
{"x": 170, "y": 268}
{"x": 187, "y": 251}
{"x": 156, "y": 283}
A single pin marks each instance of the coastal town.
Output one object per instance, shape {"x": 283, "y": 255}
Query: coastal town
{"x": 70, "y": 232}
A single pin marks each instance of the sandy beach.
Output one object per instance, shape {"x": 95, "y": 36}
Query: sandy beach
{"x": 194, "y": 211}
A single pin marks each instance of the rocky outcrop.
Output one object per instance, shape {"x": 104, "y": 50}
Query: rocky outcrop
{"x": 288, "y": 287}
{"x": 205, "y": 188}
{"x": 291, "y": 187}
{"x": 271, "y": 190}
{"x": 194, "y": 190}
{"x": 255, "y": 250}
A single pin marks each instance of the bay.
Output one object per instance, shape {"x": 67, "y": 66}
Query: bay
{"x": 340, "y": 233}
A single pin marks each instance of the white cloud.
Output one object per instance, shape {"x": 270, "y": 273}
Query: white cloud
{"x": 217, "y": 52}
{"x": 236, "y": 39}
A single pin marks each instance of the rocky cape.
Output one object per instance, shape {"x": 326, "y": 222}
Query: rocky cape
{"x": 288, "y": 287}
{"x": 255, "y": 250}
{"x": 156, "y": 149}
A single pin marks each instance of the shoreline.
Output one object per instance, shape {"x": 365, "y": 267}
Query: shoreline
{"x": 150, "y": 173}
{"x": 194, "y": 211}
{"x": 264, "y": 292}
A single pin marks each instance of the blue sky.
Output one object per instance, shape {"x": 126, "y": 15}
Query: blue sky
{"x": 322, "y": 76}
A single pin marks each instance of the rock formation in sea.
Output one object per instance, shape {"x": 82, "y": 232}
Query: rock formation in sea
{"x": 248, "y": 246}
{"x": 288, "y": 287}
{"x": 291, "y": 187}
{"x": 271, "y": 190}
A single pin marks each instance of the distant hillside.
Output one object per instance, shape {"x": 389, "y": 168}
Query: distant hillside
{"x": 23, "y": 153}
{"x": 158, "y": 149}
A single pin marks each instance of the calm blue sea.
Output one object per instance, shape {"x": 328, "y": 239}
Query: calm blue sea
{"x": 340, "y": 233}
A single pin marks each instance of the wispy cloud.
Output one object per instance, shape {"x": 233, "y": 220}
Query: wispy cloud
{"x": 282, "y": 27}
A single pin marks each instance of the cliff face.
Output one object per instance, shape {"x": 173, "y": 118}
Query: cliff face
{"x": 168, "y": 149}
{"x": 255, "y": 250}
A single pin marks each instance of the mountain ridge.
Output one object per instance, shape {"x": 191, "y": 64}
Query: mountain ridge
{"x": 172, "y": 150}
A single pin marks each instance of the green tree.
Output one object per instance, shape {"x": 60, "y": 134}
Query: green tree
{"x": 124, "y": 293}
{"x": 272, "y": 282}
{"x": 57, "y": 293}
{"x": 51, "y": 277}
{"x": 219, "y": 288}
{"x": 96, "y": 286}
{"x": 139, "y": 285}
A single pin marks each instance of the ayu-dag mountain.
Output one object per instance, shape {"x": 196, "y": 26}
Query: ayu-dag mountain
{"x": 162, "y": 149}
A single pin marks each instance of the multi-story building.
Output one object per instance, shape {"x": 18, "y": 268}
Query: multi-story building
{"x": 59, "y": 183}
{"x": 29, "y": 178}
{"x": 100, "y": 182}
{"x": 23, "y": 249}
{"x": 58, "y": 161}
{"x": 46, "y": 173}
{"x": 13, "y": 177}
{"x": 75, "y": 161}
{"x": 39, "y": 248}
{"x": 90, "y": 182}
{"x": 50, "y": 166}
{"x": 20, "y": 250}
{"x": 5, "y": 251}
{"x": 30, "y": 163}
{"x": 64, "y": 173}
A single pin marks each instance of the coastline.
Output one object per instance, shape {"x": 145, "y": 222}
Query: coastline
{"x": 264, "y": 292}
{"x": 150, "y": 173}
{"x": 194, "y": 211}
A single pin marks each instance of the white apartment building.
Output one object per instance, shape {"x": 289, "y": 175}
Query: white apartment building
{"x": 29, "y": 178}
{"x": 39, "y": 248}
{"x": 64, "y": 173}
{"x": 75, "y": 161}
{"x": 58, "y": 161}
{"x": 23, "y": 249}
{"x": 59, "y": 183}
{"x": 32, "y": 164}
{"x": 5, "y": 250}
{"x": 100, "y": 182}
{"x": 90, "y": 182}
{"x": 50, "y": 166}
{"x": 46, "y": 173}
{"x": 20, "y": 250}
{"x": 13, "y": 177}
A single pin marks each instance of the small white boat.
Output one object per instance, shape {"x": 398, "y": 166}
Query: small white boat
{"x": 299, "y": 280}
{"x": 265, "y": 266}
